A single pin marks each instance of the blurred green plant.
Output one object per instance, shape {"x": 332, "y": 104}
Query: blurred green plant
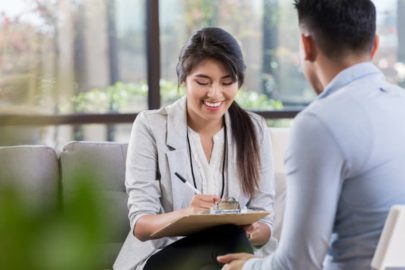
{"x": 111, "y": 98}
{"x": 120, "y": 96}
{"x": 256, "y": 101}
{"x": 36, "y": 238}
{"x": 280, "y": 123}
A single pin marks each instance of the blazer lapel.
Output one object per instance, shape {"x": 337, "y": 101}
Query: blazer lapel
{"x": 178, "y": 156}
{"x": 177, "y": 124}
{"x": 178, "y": 162}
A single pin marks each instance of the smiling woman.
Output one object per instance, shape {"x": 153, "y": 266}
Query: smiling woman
{"x": 210, "y": 93}
{"x": 207, "y": 138}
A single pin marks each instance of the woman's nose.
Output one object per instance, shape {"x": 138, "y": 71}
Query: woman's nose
{"x": 214, "y": 90}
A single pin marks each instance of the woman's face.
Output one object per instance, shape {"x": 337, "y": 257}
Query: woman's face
{"x": 210, "y": 91}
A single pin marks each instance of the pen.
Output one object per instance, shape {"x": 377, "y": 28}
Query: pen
{"x": 196, "y": 191}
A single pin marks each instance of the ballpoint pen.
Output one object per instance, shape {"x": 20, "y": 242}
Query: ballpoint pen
{"x": 196, "y": 191}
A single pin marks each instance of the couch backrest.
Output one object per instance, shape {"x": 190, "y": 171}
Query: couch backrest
{"x": 105, "y": 161}
{"x": 33, "y": 169}
{"x": 279, "y": 139}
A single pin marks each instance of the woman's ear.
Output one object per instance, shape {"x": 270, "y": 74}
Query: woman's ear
{"x": 376, "y": 45}
{"x": 309, "y": 48}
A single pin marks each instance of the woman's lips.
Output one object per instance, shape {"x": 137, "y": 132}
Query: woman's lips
{"x": 213, "y": 106}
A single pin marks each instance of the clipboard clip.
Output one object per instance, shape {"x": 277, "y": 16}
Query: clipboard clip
{"x": 227, "y": 205}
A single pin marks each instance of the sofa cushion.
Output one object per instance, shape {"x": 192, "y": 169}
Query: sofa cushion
{"x": 105, "y": 161}
{"x": 279, "y": 138}
{"x": 34, "y": 170}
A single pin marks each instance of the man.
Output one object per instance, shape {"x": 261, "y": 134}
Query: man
{"x": 346, "y": 157}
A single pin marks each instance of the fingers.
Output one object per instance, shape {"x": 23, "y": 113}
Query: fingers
{"x": 233, "y": 256}
{"x": 205, "y": 205}
{"x": 235, "y": 265}
{"x": 204, "y": 201}
{"x": 201, "y": 203}
{"x": 207, "y": 198}
{"x": 248, "y": 228}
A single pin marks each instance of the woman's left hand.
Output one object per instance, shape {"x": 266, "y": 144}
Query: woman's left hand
{"x": 258, "y": 233}
{"x": 234, "y": 261}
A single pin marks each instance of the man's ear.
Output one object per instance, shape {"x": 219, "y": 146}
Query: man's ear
{"x": 376, "y": 45}
{"x": 309, "y": 47}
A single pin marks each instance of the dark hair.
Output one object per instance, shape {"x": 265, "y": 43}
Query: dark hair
{"x": 218, "y": 44}
{"x": 339, "y": 26}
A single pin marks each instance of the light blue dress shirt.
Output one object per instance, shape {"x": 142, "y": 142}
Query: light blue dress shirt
{"x": 345, "y": 168}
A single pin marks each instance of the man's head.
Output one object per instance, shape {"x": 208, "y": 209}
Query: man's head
{"x": 335, "y": 35}
{"x": 339, "y": 26}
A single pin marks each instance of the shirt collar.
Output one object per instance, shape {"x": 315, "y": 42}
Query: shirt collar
{"x": 350, "y": 75}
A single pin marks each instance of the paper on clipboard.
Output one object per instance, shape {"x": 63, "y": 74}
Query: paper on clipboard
{"x": 192, "y": 223}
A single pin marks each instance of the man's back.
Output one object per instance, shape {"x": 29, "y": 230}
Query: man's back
{"x": 345, "y": 161}
{"x": 363, "y": 161}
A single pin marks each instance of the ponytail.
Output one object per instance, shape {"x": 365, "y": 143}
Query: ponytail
{"x": 248, "y": 152}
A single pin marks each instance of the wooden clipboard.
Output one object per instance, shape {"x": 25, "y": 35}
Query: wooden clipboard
{"x": 192, "y": 223}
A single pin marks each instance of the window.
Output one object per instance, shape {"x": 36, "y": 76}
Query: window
{"x": 89, "y": 56}
{"x": 65, "y": 56}
{"x": 268, "y": 34}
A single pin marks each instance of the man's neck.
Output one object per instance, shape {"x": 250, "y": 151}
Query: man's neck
{"x": 328, "y": 68}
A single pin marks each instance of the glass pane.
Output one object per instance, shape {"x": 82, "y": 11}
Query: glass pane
{"x": 71, "y": 56}
{"x": 131, "y": 53}
{"x": 391, "y": 54}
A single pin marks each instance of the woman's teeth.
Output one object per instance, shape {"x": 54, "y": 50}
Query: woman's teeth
{"x": 213, "y": 104}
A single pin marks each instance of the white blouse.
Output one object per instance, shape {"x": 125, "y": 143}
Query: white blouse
{"x": 211, "y": 170}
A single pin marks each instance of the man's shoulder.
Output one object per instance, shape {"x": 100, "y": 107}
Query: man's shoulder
{"x": 342, "y": 103}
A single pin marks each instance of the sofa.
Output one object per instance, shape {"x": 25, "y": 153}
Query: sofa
{"x": 42, "y": 172}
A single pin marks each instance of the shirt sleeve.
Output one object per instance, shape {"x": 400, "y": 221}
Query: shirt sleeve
{"x": 314, "y": 166}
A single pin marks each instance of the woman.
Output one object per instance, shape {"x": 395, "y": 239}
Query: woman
{"x": 222, "y": 151}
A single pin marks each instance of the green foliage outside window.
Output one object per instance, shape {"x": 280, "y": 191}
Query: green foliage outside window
{"x": 131, "y": 96}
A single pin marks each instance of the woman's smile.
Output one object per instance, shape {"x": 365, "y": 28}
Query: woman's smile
{"x": 213, "y": 105}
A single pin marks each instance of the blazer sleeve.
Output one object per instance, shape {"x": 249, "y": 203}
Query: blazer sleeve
{"x": 265, "y": 194}
{"x": 141, "y": 174}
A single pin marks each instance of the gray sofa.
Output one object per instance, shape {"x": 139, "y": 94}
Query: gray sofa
{"x": 41, "y": 172}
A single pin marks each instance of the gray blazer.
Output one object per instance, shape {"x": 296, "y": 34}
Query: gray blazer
{"x": 157, "y": 149}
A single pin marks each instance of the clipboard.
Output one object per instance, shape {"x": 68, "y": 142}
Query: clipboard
{"x": 192, "y": 223}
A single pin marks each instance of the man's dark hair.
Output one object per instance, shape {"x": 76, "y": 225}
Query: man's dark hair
{"x": 339, "y": 26}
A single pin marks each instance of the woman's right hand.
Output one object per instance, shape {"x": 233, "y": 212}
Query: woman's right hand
{"x": 150, "y": 223}
{"x": 201, "y": 203}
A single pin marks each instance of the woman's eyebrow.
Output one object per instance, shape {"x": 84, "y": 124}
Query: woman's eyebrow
{"x": 203, "y": 76}
{"x": 208, "y": 77}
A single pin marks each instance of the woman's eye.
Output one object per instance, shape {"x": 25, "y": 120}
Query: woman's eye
{"x": 202, "y": 83}
{"x": 227, "y": 83}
